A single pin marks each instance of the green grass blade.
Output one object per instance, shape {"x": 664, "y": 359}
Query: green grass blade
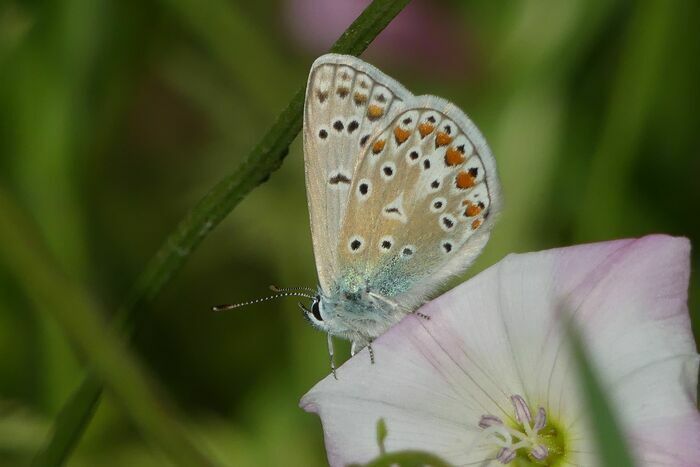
{"x": 611, "y": 443}
{"x": 637, "y": 83}
{"x": 265, "y": 158}
{"x": 223, "y": 28}
{"x": 78, "y": 316}
{"x": 83, "y": 401}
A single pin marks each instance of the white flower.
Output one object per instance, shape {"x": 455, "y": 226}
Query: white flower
{"x": 490, "y": 377}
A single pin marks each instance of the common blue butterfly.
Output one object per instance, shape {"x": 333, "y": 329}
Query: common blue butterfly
{"x": 402, "y": 193}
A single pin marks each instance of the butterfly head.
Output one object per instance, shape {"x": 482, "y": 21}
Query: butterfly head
{"x": 326, "y": 312}
{"x": 354, "y": 315}
{"x": 315, "y": 313}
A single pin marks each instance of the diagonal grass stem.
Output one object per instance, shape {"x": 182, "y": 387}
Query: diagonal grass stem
{"x": 263, "y": 159}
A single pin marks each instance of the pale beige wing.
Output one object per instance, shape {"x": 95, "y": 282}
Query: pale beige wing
{"x": 347, "y": 102}
{"x": 422, "y": 203}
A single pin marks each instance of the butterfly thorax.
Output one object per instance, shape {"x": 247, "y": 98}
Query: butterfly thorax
{"x": 359, "y": 314}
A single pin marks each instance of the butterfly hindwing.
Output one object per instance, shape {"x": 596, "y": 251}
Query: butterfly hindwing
{"x": 421, "y": 202}
{"x": 347, "y": 102}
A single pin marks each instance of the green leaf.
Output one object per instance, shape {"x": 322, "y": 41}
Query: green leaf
{"x": 612, "y": 445}
{"x": 265, "y": 158}
{"x": 408, "y": 459}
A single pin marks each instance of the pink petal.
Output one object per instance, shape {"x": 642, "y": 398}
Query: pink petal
{"x": 420, "y": 398}
{"x": 500, "y": 335}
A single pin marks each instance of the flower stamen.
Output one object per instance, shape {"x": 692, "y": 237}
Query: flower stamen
{"x": 526, "y": 433}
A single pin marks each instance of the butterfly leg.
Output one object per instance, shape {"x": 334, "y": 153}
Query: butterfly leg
{"x": 330, "y": 354}
{"x": 359, "y": 345}
{"x": 418, "y": 313}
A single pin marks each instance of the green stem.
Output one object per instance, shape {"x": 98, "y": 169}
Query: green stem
{"x": 265, "y": 158}
{"x": 80, "y": 319}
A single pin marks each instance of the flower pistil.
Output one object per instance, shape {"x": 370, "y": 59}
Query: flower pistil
{"x": 528, "y": 435}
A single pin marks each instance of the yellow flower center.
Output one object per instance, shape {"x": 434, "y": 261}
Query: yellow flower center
{"x": 530, "y": 441}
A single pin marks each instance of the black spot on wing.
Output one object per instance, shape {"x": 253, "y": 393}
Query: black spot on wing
{"x": 339, "y": 178}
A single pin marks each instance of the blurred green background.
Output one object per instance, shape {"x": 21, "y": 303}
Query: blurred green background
{"x": 117, "y": 116}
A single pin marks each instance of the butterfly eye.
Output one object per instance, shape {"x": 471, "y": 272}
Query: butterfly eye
{"x": 316, "y": 310}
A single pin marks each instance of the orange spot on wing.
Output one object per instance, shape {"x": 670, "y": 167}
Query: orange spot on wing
{"x": 360, "y": 98}
{"x": 442, "y": 139}
{"x": 374, "y": 112}
{"x": 472, "y": 209}
{"x": 378, "y": 146}
{"x": 453, "y": 157}
{"x": 401, "y": 135}
{"x": 476, "y": 223}
{"x": 425, "y": 129}
{"x": 465, "y": 180}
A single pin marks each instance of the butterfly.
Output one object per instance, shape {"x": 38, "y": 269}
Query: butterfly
{"x": 402, "y": 193}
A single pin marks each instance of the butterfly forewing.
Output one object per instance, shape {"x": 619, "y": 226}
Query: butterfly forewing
{"x": 347, "y": 103}
{"x": 420, "y": 202}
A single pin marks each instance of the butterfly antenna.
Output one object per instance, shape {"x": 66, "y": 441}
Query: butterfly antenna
{"x": 260, "y": 300}
{"x": 274, "y": 288}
